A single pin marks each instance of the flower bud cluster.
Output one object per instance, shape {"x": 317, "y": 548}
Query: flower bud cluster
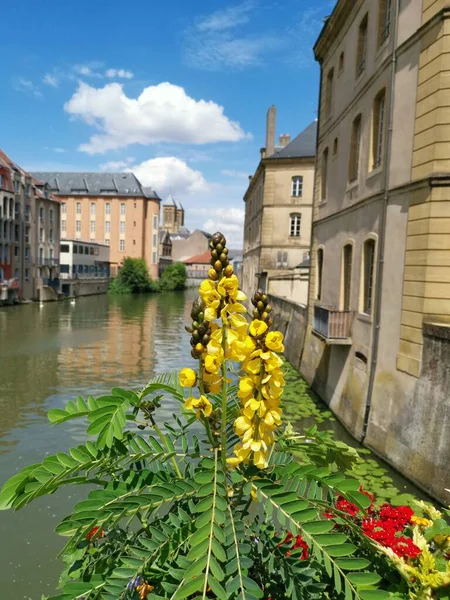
{"x": 262, "y": 308}
{"x": 200, "y": 329}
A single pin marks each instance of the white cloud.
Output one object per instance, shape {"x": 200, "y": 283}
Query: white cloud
{"x": 213, "y": 44}
{"x": 233, "y": 173}
{"x": 119, "y": 73}
{"x": 161, "y": 113}
{"x": 116, "y": 165}
{"x": 59, "y": 150}
{"x": 28, "y": 87}
{"x": 88, "y": 69}
{"x": 50, "y": 80}
{"x": 169, "y": 175}
{"x": 229, "y": 221}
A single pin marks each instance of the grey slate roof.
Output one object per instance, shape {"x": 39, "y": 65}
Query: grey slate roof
{"x": 95, "y": 184}
{"x": 149, "y": 192}
{"x": 303, "y": 146}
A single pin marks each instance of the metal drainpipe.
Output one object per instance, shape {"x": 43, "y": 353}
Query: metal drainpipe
{"x": 382, "y": 236}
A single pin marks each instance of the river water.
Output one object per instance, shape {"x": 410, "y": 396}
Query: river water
{"x": 48, "y": 356}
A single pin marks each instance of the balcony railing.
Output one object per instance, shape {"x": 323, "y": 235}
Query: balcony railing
{"x": 48, "y": 262}
{"x": 333, "y": 325}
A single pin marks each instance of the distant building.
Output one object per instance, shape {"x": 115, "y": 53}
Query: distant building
{"x": 82, "y": 261}
{"x": 165, "y": 250}
{"x": 198, "y": 266}
{"x": 186, "y": 245}
{"x": 109, "y": 208}
{"x": 29, "y": 235}
{"x": 278, "y": 207}
{"x": 173, "y": 215}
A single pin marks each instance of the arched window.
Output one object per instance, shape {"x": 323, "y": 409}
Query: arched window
{"x": 297, "y": 186}
{"x": 324, "y": 176}
{"x": 368, "y": 276}
{"x": 361, "y": 52}
{"x": 378, "y": 127}
{"x": 319, "y": 272}
{"x": 384, "y": 20}
{"x": 355, "y": 149}
{"x": 347, "y": 258}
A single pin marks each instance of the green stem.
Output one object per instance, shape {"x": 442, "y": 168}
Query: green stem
{"x": 224, "y": 400}
{"x": 166, "y": 446}
{"x": 201, "y": 387}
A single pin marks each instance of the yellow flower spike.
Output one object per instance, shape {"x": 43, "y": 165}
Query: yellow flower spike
{"x": 200, "y": 405}
{"x": 274, "y": 341}
{"x": 257, "y": 328}
{"x": 188, "y": 378}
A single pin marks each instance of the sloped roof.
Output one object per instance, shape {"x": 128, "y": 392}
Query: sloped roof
{"x": 303, "y": 146}
{"x": 92, "y": 184}
{"x": 199, "y": 259}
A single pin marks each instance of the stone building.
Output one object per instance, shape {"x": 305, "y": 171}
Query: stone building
{"x": 278, "y": 208}
{"x": 186, "y": 244}
{"x": 380, "y": 269}
{"x": 109, "y": 208}
{"x": 173, "y": 215}
{"x": 29, "y": 235}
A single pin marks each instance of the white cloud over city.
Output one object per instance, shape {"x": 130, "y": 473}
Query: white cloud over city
{"x": 161, "y": 113}
{"x": 170, "y": 175}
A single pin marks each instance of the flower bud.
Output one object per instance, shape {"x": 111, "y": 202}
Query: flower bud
{"x": 195, "y": 325}
{"x": 228, "y": 272}
{"x": 199, "y": 349}
{"x": 206, "y": 339}
{"x": 269, "y": 308}
{"x": 218, "y": 266}
{"x": 260, "y": 306}
{"x": 215, "y": 255}
{"x": 225, "y": 250}
{"x": 212, "y": 274}
{"x": 256, "y": 313}
{"x": 223, "y": 258}
{"x": 202, "y": 330}
{"x": 219, "y": 248}
{"x": 264, "y": 316}
{"x": 264, "y": 298}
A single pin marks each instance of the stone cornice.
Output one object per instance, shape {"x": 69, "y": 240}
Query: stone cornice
{"x": 333, "y": 27}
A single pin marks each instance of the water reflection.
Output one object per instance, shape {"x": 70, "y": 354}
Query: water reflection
{"x": 51, "y": 355}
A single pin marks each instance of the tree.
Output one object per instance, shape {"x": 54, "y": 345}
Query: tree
{"x": 173, "y": 277}
{"x": 133, "y": 278}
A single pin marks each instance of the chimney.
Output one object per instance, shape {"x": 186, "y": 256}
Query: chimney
{"x": 270, "y": 131}
{"x": 284, "y": 140}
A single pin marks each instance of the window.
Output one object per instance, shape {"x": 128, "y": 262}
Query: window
{"x": 27, "y": 235}
{"x": 86, "y": 249}
{"x": 51, "y": 215}
{"x": 355, "y": 150}
{"x": 341, "y": 63}
{"x": 329, "y": 94}
{"x": 324, "y": 176}
{"x": 63, "y": 208}
{"x": 107, "y": 226}
{"x": 107, "y": 242}
{"x": 78, "y": 208}
{"x": 122, "y": 245}
{"x": 107, "y": 208}
{"x": 63, "y": 225}
{"x": 297, "y": 186}
{"x": 154, "y": 258}
{"x": 41, "y": 234}
{"x": 155, "y": 221}
{"x": 135, "y": 205}
{"x": 361, "y": 51}
{"x": 296, "y": 221}
{"x": 75, "y": 249}
{"x": 41, "y": 213}
{"x": 319, "y": 273}
{"x": 368, "y": 274}
{"x": 91, "y": 251}
{"x": 384, "y": 20}
{"x": 347, "y": 275}
{"x": 50, "y": 236}
{"x": 122, "y": 226}
{"x": 16, "y": 186}
{"x": 335, "y": 147}
{"x": 134, "y": 242}
{"x": 122, "y": 208}
{"x": 1, "y": 181}
{"x": 134, "y": 223}
{"x": 16, "y": 251}
{"x": 27, "y": 274}
{"x": 27, "y": 254}
{"x": 282, "y": 259}
{"x": 92, "y": 208}
{"x": 92, "y": 226}
{"x": 65, "y": 248}
{"x": 155, "y": 239}
{"x": 78, "y": 225}
{"x": 378, "y": 129}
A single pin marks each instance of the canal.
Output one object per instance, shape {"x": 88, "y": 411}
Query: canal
{"x": 52, "y": 354}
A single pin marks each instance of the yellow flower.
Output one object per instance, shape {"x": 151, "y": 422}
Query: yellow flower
{"x": 253, "y": 366}
{"x": 213, "y": 382}
{"x": 242, "y": 425}
{"x": 272, "y": 418}
{"x": 274, "y": 362}
{"x": 228, "y": 286}
{"x": 238, "y": 322}
{"x": 213, "y": 363}
{"x": 421, "y": 521}
{"x": 233, "y": 461}
{"x": 188, "y": 378}
{"x": 257, "y": 328}
{"x": 274, "y": 341}
{"x": 260, "y": 460}
{"x": 246, "y": 386}
{"x": 200, "y": 405}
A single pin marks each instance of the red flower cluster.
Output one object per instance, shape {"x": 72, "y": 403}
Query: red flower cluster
{"x": 392, "y": 520}
{"x": 90, "y": 534}
{"x": 299, "y": 542}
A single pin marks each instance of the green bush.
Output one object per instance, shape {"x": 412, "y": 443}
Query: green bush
{"x": 173, "y": 278}
{"x": 133, "y": 278}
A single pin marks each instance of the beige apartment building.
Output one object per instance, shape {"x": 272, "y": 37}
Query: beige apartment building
{"x": 278, "y": 209}
{"x": 109, "y": 208}
{"x": 29, "y": 236}
{"x": 378, "y": 342}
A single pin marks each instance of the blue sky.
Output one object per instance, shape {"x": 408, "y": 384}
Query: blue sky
{"x": 177, "y": 91}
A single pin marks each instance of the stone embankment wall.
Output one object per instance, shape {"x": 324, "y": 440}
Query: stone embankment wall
{"x": 90, "y": 288}
{"x": 290, "y": 318}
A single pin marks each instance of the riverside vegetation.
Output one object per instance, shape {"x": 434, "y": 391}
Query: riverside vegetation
{"x": 226, "y": 501}
{"x": 134, "y": 278}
